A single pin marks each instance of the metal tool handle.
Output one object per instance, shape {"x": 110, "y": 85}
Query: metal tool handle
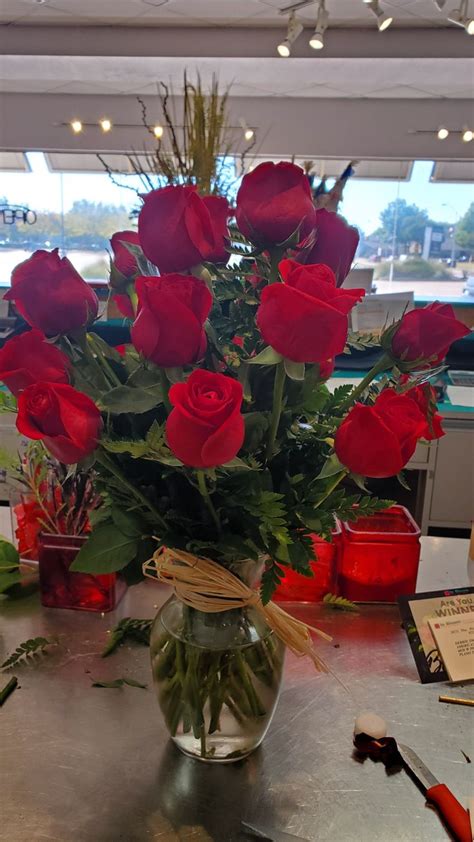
{"x": 453, "y": 813}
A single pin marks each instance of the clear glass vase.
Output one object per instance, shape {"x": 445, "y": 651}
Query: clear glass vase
{"x": 217, "y": 678}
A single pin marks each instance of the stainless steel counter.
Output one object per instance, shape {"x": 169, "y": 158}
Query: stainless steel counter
{"x": 80, "y": 764}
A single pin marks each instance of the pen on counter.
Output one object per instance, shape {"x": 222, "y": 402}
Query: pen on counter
{"x": 454, "y": 700}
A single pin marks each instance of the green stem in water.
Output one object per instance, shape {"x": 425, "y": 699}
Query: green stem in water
{"x": 133, "y": 297}
{"x": 278, "y": 388}
{"x": 207, "y": 499}
{"x": 165, "y": 387}
{"x": 384, "y": 363}
{"x": 110, "y": 466}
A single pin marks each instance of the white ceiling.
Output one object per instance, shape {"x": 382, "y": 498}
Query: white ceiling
{"x": 335, "y": 78}
{"x": 210, "y": 12}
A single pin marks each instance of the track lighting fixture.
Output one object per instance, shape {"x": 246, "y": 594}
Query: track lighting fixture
{"x": 383, "y": 20}
{"x": 467, "y": 135}
{"x": 443, "y": 133}
{"x": 295, "y": 28}
{"x": 317, "y": 39}
{"x": 461, "y": 17}
{"x": 76, "y": 126}
{"x": 105, "y": 124}
{"x": 158, "y": 131}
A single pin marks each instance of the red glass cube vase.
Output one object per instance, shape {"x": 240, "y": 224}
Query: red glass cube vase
{"x": 60, "y": 588}
{"x": 297, "y": 588}
{"x": 380, "y": 556}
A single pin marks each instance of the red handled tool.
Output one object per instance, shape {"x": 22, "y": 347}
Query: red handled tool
{"x": 451, "y": 811}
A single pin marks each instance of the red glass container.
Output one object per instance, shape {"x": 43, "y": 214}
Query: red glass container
{"x": 60, "y": 588}
{"x": 297, "y": 588}
{"x": 380, "y": 556}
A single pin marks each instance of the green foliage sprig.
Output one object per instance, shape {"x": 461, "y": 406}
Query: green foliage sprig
{"x": 27, "y": 651}
{"x": 128, "y": 629}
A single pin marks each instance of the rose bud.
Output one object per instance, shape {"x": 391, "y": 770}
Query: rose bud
{"x": 336, "y": 244}
{"x": 426, "y": 334}
{"x": 425, "y": 399}
{"x": 378, "y": 440}
{"x": 27, "y": 358}
{"x": 65, "y": 420}
{"x": 51, "y": 295}
{"x": 273, "y": 203}
{"x": 172, "y": 310}
{"x": 305, "y": 318}
{"x": 177, "y": 230}
{"x": 205, "y": 428}
{"x": 124, "y": 264}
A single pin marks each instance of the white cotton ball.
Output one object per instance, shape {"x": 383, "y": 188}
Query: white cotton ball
{"x": 371, "y": 724}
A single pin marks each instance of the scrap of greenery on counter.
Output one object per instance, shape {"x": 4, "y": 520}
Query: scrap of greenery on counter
{"x": 339, "y": 603}
{"x": 26, "y": 651}
{"x": 128, "y": 629}
{"x": 10, "y": 574}
{"x": 120, "y": 682}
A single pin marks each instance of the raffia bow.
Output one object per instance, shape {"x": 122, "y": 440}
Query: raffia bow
{"x": 205, "y": 585}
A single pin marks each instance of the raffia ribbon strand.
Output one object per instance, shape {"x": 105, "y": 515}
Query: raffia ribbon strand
{"x": 205, "y": 585}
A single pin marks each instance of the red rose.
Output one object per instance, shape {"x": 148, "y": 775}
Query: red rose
{"x": 273, "y": 201}
{"x": 176, "y": 228}
{"x": 27, "y": 358}
{"x": 124, "y": 260}
{"x": 124, "y": 305}
{"x": 205, "y": 428}
{"x": 218, "y": 208}
{"x": 378, "y": 440}
{"x": 172, "y": 310}
{"x": 425, "y": 399}
{"x": 305, "y": 318}
{"x": 67, "y": 421}
{"x": 326, "y": 368}
{"x": 51, "y": 295}
{"x": 426, "y": 333}
{"x": 336, "y": 244}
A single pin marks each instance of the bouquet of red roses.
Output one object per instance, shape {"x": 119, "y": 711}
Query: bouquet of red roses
{"x": 213, "y": 432}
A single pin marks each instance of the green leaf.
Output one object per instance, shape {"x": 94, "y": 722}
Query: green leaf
{"x": 266, "y": 357}
{"x": 128, "y": 629}
{"x": 137, "y": 449}
{"x": 127, "y": 523}
{"x": 126, "y": 399}
{"x": 105, "y": 349}
{"x": 359, "y": 481}
{"x": 9, "y": 555}
{"x": 339, "y": 603}
{"x": 106, "y": 551}
{"x": 7, "y": 402}
{"x": 401, "y": 477}
{"x": 295, "y": 371}
{"x": 175, "y": 375}
{"x": 271, "y": 578}
{"x": 119, "y": 682}
{"x": 8, "y": 580}
{"x": 26, "y": 650}
{"x": 331, "y": 467}
{"x": 239, "y": 463}
{"x": 145, "y": 378}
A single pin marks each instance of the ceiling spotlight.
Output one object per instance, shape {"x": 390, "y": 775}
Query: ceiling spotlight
{"x": 76, "y": 126}
{"x": 158, "y": 131}
{"x": 105, "y": 124}
{"x": 467, "y": 135}
{"x": 461, "y": 17}
{"x": 443, "y": 133}
{"x": 317, "y": 39}
{"x": 248, "y": 134}
{"x": 295, "y": 28}
{"x": 383, "y": 20}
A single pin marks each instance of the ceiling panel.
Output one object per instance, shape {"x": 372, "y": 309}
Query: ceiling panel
{"x": 333, "y": 167}
{"x": 14, "y": 162}
{"x": 84, "y": 162}
{"x": 209, "y": 12}
{"x": 306, "y": 77}
{"x": 453, "y": 171}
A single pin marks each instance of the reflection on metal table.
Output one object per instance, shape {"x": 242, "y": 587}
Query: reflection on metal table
{"x": 83, "y": 764}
